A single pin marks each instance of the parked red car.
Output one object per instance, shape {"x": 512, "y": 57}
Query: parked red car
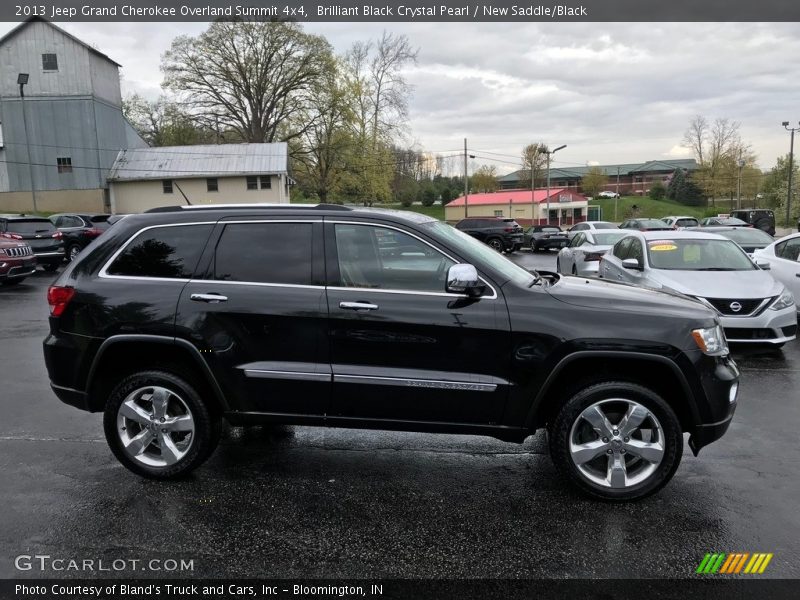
{"x": 16, "y": 261}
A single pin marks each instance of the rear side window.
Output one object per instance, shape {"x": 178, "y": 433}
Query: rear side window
{"x": 163, "y": 252}
{"x": 265, "y": 253}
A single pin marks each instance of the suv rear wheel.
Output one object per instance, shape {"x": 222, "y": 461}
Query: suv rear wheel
{"x": 496, "y": 244}
{"x": 158, "y": 426}
{"x": 616, "y": 441}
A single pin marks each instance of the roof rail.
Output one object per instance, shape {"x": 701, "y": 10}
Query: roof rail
{"x": 322, "y": 206}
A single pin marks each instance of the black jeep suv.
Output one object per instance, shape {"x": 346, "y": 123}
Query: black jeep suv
{"x": 323, "y": 315}
{"x": 504, "y": 235}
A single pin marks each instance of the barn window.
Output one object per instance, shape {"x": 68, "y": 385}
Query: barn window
{"x": 64, "y": 164}
{"x": 49, "y": 62}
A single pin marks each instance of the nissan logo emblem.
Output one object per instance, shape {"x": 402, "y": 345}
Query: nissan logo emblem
{"x": 736, "y": 307}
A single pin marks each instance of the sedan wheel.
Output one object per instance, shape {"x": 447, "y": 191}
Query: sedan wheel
{"x": 73, "y": 252}
{"x": 616, "y": 441}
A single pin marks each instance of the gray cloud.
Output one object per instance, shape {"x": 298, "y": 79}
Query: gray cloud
{"x": 614, "y": 92}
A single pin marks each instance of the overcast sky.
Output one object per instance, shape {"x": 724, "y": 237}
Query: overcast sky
{"x": 613, "y": 92}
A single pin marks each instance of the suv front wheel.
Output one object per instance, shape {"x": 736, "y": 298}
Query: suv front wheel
{"x": 616, "y": 441}
{"x": 158, "y": 426}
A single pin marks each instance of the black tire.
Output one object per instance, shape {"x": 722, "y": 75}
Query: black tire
{"x": 50, "y": 267}
{"x": 72, "y": 252}
{"x": 205, "y": 436}
{"x": 561, "y": 428}
{"x": 558, "y": 265}
{"x": 496, "y": 244}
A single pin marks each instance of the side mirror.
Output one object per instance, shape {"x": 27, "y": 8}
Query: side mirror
{"x": 763, "y": 265}
{"x": 463, "y": 279}
{"x": 632, "y": 263}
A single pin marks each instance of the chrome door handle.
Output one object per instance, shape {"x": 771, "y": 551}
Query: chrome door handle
{"x": 211, "y": 298}
{"x": 358, "y": 306}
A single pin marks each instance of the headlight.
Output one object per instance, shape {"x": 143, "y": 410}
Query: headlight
{"x": 785, "y": 300}
{"x": 711, "y": 341}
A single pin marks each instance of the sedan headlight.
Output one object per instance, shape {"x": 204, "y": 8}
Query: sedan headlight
{"x": 785, "y": 300}
{"x": 711, "y": 340}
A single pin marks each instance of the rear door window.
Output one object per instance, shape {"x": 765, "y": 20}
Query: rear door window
{"x": 278, "y": 253}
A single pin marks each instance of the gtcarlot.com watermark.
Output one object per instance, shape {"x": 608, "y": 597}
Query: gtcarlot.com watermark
{"x": 48, "y": 563}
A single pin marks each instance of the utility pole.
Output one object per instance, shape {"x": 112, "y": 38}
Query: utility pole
{"x": 616, "y": 200}
{"x": 791, "y": 168}
{"x": 740, "y": 164}
{"x": 22, "y": 80}
{"x": 466, "y": 180}
{"x": 550, "y": 152}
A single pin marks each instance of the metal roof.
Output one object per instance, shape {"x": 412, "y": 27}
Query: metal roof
{"x": 211, "y": 160}
{"x": 610, "y": 170}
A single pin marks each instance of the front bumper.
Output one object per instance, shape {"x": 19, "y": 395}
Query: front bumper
{"x": 768, "y": 327}
{"x": 50, "y": 258}
{"x": 15, "y": 268}
{"x": 719, "y": 381}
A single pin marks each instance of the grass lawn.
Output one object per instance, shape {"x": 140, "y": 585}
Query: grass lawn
{"x": 649, "y": 208}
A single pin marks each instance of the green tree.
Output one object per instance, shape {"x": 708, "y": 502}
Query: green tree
{"x": 593, "y": 182}
{"x": 484, "y": 179}
{"x": 657, "y": 190}
{"x": 447, "y": 195}
{"x": 776, "y": 182}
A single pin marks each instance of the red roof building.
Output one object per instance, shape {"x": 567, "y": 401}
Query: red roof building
{"x": 527, "y": 207}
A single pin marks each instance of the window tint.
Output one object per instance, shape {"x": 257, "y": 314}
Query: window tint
{"x": 789, "y": 250}
{"x": 578, "y": 240}
{"x": 170, "y": 252}
{"x": 386, "y": 259}
{"x": 636, "y": 251}
{"x": 30, "y": 226}
{"x": 70, "y": 221}
{"x": 265, "y": 253}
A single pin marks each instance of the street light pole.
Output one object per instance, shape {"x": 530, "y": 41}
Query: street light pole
{"x": 550, "y": 152}
{"x": 740, "y": 164}
{"x": 791, "y": 168}
{"x": 22, "y": 80}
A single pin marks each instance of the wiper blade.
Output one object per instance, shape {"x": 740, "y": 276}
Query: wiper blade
{"x": 717, "y": 269}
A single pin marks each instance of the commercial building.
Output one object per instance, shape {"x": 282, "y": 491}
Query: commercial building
{"x": 527, "y": 207}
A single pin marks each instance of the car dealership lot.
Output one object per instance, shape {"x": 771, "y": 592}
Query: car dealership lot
{"x": 303, "y": 501}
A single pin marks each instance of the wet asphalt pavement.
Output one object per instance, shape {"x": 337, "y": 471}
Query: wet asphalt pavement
{"x": 311, "y": 502}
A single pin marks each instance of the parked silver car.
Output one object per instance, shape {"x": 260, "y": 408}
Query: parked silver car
{"x": 753, "y": 307}
{"x": 582, "y": 256}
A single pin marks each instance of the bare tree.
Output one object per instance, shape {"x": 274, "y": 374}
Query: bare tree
{"x": 534, "y": 161}
{"x": 695, "y": 137}
{"x": 255, "y": 77}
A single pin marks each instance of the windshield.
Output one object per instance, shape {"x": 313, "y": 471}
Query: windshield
{"x": 744, "y": 235}
{"x": 473, "y": 250}
{"x": 652, "y": 223}
{"x": 697, "y": 255}
{"x": 609, "y": 239}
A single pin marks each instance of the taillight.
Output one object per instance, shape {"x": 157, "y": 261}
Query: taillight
{"x": 509, "y": 230}
{"x": 92, "y": 232}
{"x": 58, "y": 298}
{"x": 13, "y": 236}
{"x": 592, "y": 256}
{"x": 57, "y": 235}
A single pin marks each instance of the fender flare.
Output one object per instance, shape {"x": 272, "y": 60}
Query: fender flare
{"x": 581, "y": 354}
{"x": 165, "y": 340}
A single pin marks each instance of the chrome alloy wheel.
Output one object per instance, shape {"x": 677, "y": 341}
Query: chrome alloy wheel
{"x": 616, "y": 443}
{"x": 155, "y": 426}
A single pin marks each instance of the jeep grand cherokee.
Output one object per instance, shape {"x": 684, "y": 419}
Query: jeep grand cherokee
{"x": 329, "y": 316}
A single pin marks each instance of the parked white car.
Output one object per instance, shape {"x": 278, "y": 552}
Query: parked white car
{"x": 753, "y": 306}
{"x": 590, "y": 226}
{"x": 681, "y": 222}
{"x": 783, "y": 257}
{"x": 582, "y": 255}
{"x": 608, "y": 194}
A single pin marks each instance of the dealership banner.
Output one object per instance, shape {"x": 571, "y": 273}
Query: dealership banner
{"x": 404, "y": 10}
